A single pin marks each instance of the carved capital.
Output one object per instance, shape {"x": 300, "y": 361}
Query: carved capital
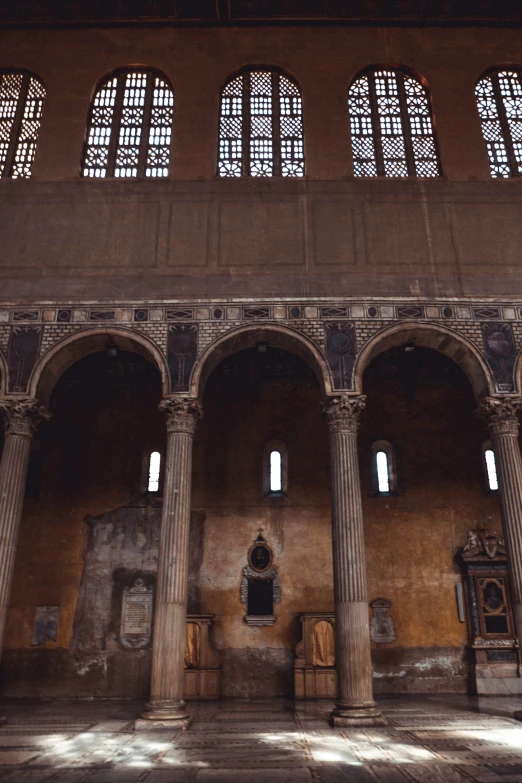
{"x": 501, "y": 414}
{"x": 342, "y": 413}
{"x": 182, "y": 413}
{"x": 22, "y": 417}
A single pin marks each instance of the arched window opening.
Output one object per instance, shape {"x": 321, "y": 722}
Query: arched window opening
{"x": 154, "y": 471}
{"x": 261, "y": 126}
{"x": 21, "y": 103}
{"x": 276, "y": 471}
{"x": 499, "y": 102}
{"x": 383, "y": 474}
{"x": 383, "y": 468}
{"x": 130, "y": 126}
{"x": 490, "y": 467}
{"x": 392, "y": 126}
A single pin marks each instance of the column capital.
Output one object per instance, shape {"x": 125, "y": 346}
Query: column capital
{"x": 342, "y": 412}
{"x": 22, "y": 417}
{"x": 501, "y": 414}
{"x": 182, "y": 413}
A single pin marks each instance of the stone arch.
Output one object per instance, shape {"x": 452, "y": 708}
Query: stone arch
{"x": 441, "y": 339}
{"x": 84, "y": 342}
{"x": 249, "y": 336}
{"x": 3, "y": 374}
{"x": 517, "y": 374}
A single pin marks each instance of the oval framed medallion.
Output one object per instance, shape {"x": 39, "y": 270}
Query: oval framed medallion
{"x": 260, "y": 556}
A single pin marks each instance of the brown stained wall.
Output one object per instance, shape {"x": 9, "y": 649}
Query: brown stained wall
{"x": 411, "y": 539}
{"x": 93, "y": 455}
{"x": 196, "y": 235}
{"x": 93, "y": 449}
{"x": 241, "y": 417}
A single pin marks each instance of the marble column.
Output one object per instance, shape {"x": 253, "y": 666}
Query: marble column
{"x": 501, "y": 414}
{"x": 166, "y": 706}
{"x": 21, "y": 417}
{"x": 355, "y": 705}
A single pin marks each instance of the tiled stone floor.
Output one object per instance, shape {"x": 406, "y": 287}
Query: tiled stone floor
{"x": 439, "y": 739}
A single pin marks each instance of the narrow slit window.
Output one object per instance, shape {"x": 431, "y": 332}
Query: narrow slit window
{"x": 130, "y": 126}
{"x": 383, "y": 468}
{"x": 276, "y": 471}
{"x": 383, "y": 472}
{"x": 491, "y": 469}
{"x": 154, "y": 471}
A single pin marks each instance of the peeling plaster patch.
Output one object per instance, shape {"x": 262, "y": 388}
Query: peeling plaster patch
{"x": 444, "y": 661}
{"x": 87, "y": 664}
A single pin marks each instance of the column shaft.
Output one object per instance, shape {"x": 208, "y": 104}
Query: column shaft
{"x": 166, "y": 706}
{"x": 21, "y": 419}
{"x": 502, "y": 417}
{"x": 355, "y": 706}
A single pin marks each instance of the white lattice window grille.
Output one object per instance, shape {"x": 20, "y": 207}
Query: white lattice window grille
{"x": 130, "y": 127}
{"x": 392, "y": 126}
{"x": 261, "y": 126}
{"x": 21, "y": 104}
{"x": 499, "y": 101}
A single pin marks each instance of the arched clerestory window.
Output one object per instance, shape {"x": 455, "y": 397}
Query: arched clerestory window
{"x": 22, "y": 96}
{"x": 261, "y": 126}
{"x": 129, "y": 129}
{"x": 392, "y": 125}
{"x": 499, "y": 102}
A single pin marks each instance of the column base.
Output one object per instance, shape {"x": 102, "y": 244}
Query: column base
{"x": 165, "y": 716}
{"x": 352, "y": 717}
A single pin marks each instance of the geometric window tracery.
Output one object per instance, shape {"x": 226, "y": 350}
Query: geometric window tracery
{"x": 129, "y": 130}
{"x": 261, "y": 126}
{"x": 21, "y": 103}
{"x": 391, "y": 126}
{"x": 499, "y": 102}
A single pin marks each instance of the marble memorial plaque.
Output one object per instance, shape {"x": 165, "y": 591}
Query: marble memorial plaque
{"x": 136, "y": 615}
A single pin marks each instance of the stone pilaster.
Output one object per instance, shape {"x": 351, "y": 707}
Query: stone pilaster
{"x": 501, "y": 414}
{"x": 166, "y": 706}
{"x": 355, "y": 705}
{"x": 21, "y": 417}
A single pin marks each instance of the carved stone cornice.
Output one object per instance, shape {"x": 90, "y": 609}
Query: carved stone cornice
{"x": 501, "y": 414}
{"x": 22, "y": 417}
{"x": 342, "y": 412}
{"x": 183, "y": 413}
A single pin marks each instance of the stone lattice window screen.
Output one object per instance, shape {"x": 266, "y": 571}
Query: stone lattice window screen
{"x": 391, "y": 125}
{"x": 21, "y": 104}
{"x": 499, "y": 102}
{"x": 261, "y": 126}
{"x": 129, "y": 131}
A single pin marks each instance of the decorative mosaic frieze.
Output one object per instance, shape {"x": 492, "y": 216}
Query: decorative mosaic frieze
{"x": 340, "y": 330}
